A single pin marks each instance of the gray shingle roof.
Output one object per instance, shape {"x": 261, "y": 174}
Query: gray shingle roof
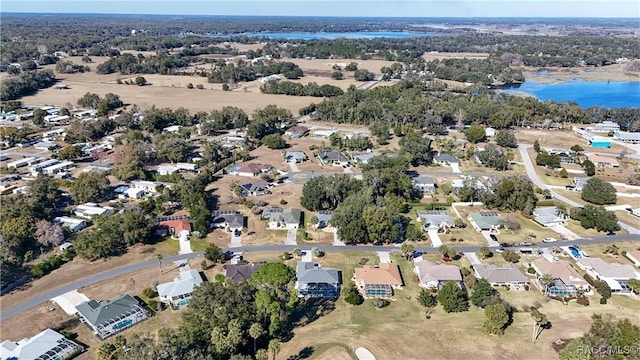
{"x": 241, "y": 272}
{"x": 499, "y": 274}
{"x": 309, "y": 272}
{"x": 435, "y": 217}
{"x": 97, "y": 312}
{"x": 446, "y": 158}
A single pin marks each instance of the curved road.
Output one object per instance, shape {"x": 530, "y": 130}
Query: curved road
{"x": 531, "y": 173}
{"x": 35, "y": 301}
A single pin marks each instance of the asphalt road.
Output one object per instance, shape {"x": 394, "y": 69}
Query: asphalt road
{"x": 35, "y": 301}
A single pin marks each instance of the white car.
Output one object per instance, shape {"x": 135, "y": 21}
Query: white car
{"x": 549, "y": 240}
{"x": 499, "y": 250}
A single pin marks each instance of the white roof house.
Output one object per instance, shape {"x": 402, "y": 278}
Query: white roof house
{"x": 172, "y": 129}
{"x": 167, "y": 169}
{"x": 22, "y": 162}
{"x": 187, "y": 166}
{"x": 147, "y": 186}
{"x": 615, "y": 275}
{"x": 323, "y": 134}
{"x": 433, "y": 275}
{"x": 54, "y": 169}
{"x": 48, "y": 344}
{"x": 89, "y": 210}
{"x": 74, "y": 224}
{"x": 134, "y": 193}
{"x": 35, "y": 169}
{"x": 548, "y": 216}
{"x": 179, "y": 291}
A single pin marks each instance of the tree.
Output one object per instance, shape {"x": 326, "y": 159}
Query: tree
{"x": 107, "y": 351}
{"x": 214, "y": 254}
{"x": 363, "y": 75}
{"x": 545, "y": 159}
{"x": 536, "y": 146}
{"x": 70, "y": 152}
{"x": 514, "y": 193}
{"x": 634, "y": 284}
{"x": 485, "y": 252}
{"x": 327, "y": 192}
{"x": 381, "y": 131}
{"x": 589, "y": 167}
{"x": 255, "y": 331}
{"x": 540, "y": 323}
{"x": 406, "y": 249}
{"x": 475, "y": 133}
{"x": 352, "y": 66}
{"x": 493, "y": 157}
{"x": 38, "y": 117}
{"x": 577, "y": 149}
{"x": 505, "y": 138}
{"x": 337, "y": 75}
{"x": 481, "y": 292}
{"x": 274, "y": 282}
{"x": 599, "y": 192}
{"x": 262, "y": 354}
{"x": 141, "y": 81}
{"x": 352, "y": 295}
{"x": 274, "y": 347}
{"x": 497, "y": 319}
{"x": 546, "y": 280}
{"x": 563, "y": 173}
{"x": 274, "y": 141}
{"x": 426, "y": 299}
{"x": 90, "y": 187}
{"x": 511, "y": 256}
{"x": 452, "y": 298}
{"x": 416, "y": 147}
{"x": 48, "y": 233}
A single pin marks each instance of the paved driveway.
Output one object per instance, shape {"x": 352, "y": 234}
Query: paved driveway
{"x": 185, "y": 245}
{"x": 566, "y": 233}
{"x": 473, "y": 258}
{"x": 70, "y": 300}
{"x": 336, "y": 239}
{"x": 236, "y": 240}
{"x": 384, "y": 257}
{"x": 293, "y": 166}
{"x": 292, "y": 234}
{"x": 456, "y": 168}
{"x": 490, "y": 242}
{"x": 435, "y": 238}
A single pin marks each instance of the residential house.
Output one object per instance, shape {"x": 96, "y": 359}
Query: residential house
{"x": 147, "y": 186}
{"x": 505, "y": 275}
{"x": 98, "y": 169}
{"x": 133, "y": 193}
{"x": 172, "y": 129}
{"x": 187, "y": 166}
{"x": 89, "y": 210}
{"x": 615, "y": 275}
{"x": 379, "y": 280}
{"x": 45, "y": 145}
{"x": 323, "y": 134}
{"x": 48, "y": 344}
{"x": 57, "y": 168}
{"x": 22, "y": 162}
{"x": 109, "y": 317}
{"x": 255, "y": 187}
{"x": 297, "y": 131}
{"x": 241, "y": 272}
{"x": 634, "y": 256}
{"x": 178, "y": 228}
{"x": 166, "y": 170}
{"x": 323, "y": 217}
{"x": 566, "y": 280}
{"x": 486, "y": 221}
{"x": 249, "y": 170}
{"x": 295, "y": 156}
{"x": 548, "y": 216}
{"x": 424, "y": 185}
{"x": 579, "y": 183}
{"x": 35, "y": 169}
{"x": 73, "y": 224}
{"x": 457, "y": 184}
{"x": 362, "y": 158}
{"x": 282, "y": 219}
{"x": 445, "y": 159}
{"x": 627, "y": 137}
{"x": 228, "y": 219}
{"x": 178, "y": 292}
{"x": 599, "y": 141}
{"x": 603, "y": 161}
{"x": 332, "y": 157}
{"x": 433, "y": 276}
{"x": 435, "y": 219}
{"x": 314, "y": 281}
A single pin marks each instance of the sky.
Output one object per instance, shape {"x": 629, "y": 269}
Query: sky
{"x": 382, "y": 8}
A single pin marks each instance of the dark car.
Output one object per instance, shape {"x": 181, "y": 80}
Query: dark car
{"x": 493, "y": 237}
{"x": 504, "y": 245}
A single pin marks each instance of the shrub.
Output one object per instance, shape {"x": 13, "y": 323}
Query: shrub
{"x": 583, "y": 300}
{"x": 286, "y": 256}
{"x": 283, "y": 202}
{"x": 225, "y": 87}
{"x": 200, "y": 86}
{"x": 531, "y": 270}
{"x": 153, "y": 305}
{"x": 41, "y": 269}
{"x": 189, "y": 86}
{"x": 149, "y": 293}
{"x": 219, "y": 278}
{"x": 380, "y": 303}
{"x": 352, "y": 295}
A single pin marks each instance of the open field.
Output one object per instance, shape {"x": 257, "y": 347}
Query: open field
{"x": 325, "y": 66}
{"x": 613, "y": 72}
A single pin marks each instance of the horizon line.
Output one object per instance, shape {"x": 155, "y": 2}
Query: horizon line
{"x": 317, "y": 16}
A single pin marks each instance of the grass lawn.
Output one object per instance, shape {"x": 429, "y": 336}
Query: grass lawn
{"x": 586, "y": 233}
{"x": 595, "y": 250}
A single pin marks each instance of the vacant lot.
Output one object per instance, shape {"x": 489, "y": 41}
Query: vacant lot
{"x": 596, "y": 250}
{"x": 325, "y": 66}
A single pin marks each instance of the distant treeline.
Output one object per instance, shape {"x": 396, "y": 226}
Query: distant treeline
{"x": 291, "y": 88}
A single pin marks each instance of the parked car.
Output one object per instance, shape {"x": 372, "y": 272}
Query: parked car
{"x": 549, "y": 240}
{"x": 504, "y": 245}
{"x": 493, "y": 237}
{"x": 499, "y": 250}
{"x": 526, "y": 243}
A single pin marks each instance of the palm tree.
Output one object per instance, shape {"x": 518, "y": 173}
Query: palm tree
{"x": 561, "y": 210}
{"x": 546, "y": 280}
{"x": 262, "y": 354}
{"x": 274, "y": 347}
{"x": 255, "y": 331}
{"x": 407, "y": 249}
{"x": 159, "y": 257}
{"x": 541, "y": 322}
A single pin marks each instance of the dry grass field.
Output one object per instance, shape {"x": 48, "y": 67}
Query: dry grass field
{"x": 324, "y": 67}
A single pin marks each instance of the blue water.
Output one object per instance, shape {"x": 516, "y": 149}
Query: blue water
{"x": 334, "y": 35}
{"x": 586, "y": 93}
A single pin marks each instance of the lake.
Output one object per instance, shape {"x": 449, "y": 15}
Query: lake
{"x": 335, "y": 35}
{"x": 585, "y": 93}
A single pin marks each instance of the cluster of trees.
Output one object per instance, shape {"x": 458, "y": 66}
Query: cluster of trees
{"x": 493, "y": 157}
{"x": 225, "y": 320}
{"x": 297, "y": 89}
{"x": 130, "y": 64}
{"x": 82, "y": 131}
{"x": 549, "y": 160}
{"x": 90, "y": 187}
{"x": 506, "y": 139}
{"x": 605, "y": 335}
{"x": 269, "y": 120}
{"x": 229, "y": 117}
{"x": 67, "y": 67}
{"x": 111, "y": 235}
{"x": 513, "y": 193}
{"x": 192, "y": 194}
{"x": 26, "y": 83}
{"x": 103, "y": 106}
{"x": 596, "y": 217}
{"x": 356, "y": 142}
{"x": 241, "y": 71}
{"x": 489, "y": 71}
{"x": 327, "y": 192}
